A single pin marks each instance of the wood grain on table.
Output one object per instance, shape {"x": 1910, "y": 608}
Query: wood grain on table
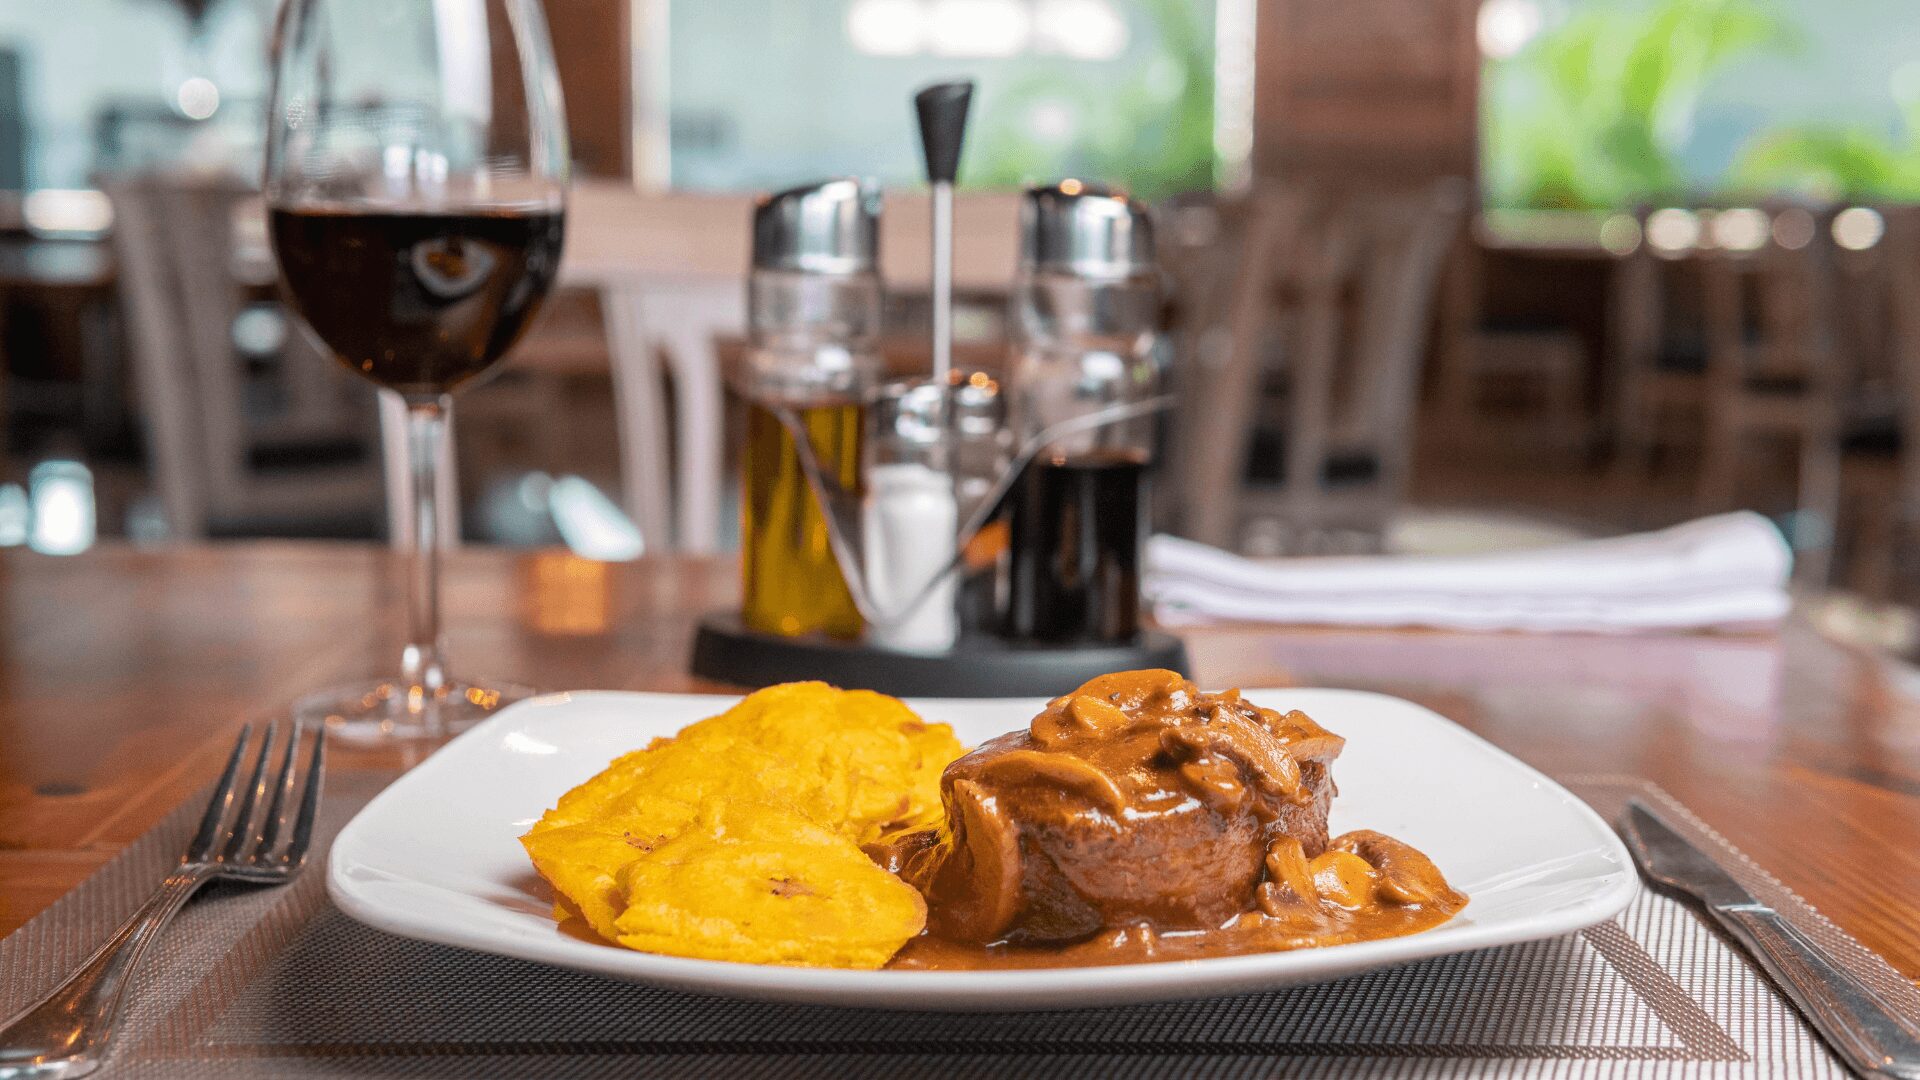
{"x": 124, "y": 675}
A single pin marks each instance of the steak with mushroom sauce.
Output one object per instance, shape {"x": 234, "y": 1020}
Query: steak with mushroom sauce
{"x": 1136, "y": 800}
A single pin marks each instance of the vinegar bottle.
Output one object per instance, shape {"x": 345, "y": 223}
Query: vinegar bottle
{"x": 1085, "y": 319}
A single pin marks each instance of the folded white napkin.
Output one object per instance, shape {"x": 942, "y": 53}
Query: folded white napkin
{"x": 1725, "y": 571}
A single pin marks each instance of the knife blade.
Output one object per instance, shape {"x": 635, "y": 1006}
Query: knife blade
{"x": 1668, "y": 858}
{"x": 1866, "y": 1030}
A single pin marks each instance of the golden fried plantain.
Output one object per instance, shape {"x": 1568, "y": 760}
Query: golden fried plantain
{"x": 801, "y": 768}
{"x": 583, "y": 864}
{"x": 730, "y": 891}
{"x": 868, "y": 761}
{"x": 859, "y": 761}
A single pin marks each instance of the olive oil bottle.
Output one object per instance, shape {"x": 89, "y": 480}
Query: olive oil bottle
{"x": 813, "y": 320}
{"x": 791, "y": 582}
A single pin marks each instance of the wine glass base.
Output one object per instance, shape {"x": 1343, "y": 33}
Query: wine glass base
{"x": 390, "y": 711}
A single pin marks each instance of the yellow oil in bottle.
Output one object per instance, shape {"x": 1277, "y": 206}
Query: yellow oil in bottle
{"x": 791, "y": 582}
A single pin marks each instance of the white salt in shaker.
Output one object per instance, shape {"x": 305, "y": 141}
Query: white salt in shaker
{"x": 911, "y": 522}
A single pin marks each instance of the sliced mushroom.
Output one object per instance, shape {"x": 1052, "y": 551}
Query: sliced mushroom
{"x": 1215, "y": 782}
{"x": 1271, "y": 766}
{"x": 1306, "y": 740}
{"x": 1061, "y": 770}
{"x": 972, "y": 880}
{"x": 1287, "y": 868}
{"x": 1098, "y": 716}
{"x": 1405, "y": 875}
{"x": 1343, "y": 879}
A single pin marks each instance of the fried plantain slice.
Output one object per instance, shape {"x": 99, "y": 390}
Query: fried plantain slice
{"x": 802, "y": 767}
{"x": 765, "y": 886}
{"x": 583, "y": 863}
{"x": 873, "y": 763}
{"x": 860, "y": 760}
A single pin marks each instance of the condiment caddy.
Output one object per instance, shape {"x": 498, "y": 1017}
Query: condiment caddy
{"x": 967, "y": 534}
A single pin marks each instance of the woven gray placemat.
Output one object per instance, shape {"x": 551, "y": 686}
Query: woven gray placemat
{"x": 278, "y": 983}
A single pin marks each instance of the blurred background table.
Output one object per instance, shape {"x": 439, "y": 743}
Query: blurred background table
{"x": 124, "y": 673}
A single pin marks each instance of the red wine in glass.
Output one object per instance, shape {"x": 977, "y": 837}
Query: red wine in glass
{"x": 420, "y": 302}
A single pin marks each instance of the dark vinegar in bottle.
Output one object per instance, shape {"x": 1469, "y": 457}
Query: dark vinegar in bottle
{"x": 1077, "y": 526}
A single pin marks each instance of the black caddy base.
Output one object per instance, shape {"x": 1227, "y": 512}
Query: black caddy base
{"x": 726, "y": 651}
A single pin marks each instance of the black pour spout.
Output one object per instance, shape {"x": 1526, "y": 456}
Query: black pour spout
{"x": 942, "y": 109}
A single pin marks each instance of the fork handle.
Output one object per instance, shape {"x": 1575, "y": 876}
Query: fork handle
{"x": 66, "y": 1033}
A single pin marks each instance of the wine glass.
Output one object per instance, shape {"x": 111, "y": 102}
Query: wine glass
{"x": 416, "y": 178}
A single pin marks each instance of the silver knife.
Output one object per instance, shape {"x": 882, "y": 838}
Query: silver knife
{"x": 1861, "y": 1025}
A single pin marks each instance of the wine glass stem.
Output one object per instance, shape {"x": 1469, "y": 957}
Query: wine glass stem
{"x": 421, "y": 664}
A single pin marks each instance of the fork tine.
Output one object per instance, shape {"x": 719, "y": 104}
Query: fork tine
{"x": 241, "y": 831}
{"x": 309, "y": 801}
{"x": 217, "y": 804}
{"x": 276, "y": 813}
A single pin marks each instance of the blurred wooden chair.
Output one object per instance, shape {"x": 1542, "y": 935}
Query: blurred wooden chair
{"x": 1347, "y": 284}
{"x": 226, "y": 458}
{"x": 1201, "y": 245}
{"x": 1501, "y": 378}
{"x": 1773, "y": 371}
{"x": 1654, "y": 373}
{"x": 1882, "y": 450}
{"x": 521, "y": 418}
{"x": 6, "y": 388}
{"x": 1658, "y": 339}
{"x": 1224, "y": 301}
{"x": 660, "y": 337}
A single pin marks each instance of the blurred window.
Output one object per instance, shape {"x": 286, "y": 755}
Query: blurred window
{"x": 1594, "y": 104}
{"x": 769, "y": 93}
{"x": 761, "y": 93}
{"x": 87, "y": 85}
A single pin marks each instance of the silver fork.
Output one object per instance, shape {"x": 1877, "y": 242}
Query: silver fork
{"x": 67, "y": 1032}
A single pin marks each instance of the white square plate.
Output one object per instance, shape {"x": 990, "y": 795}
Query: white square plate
{"x": 436, "y": 856}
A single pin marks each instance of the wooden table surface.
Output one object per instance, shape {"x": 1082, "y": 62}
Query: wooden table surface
{"x": 616, "y": 234}
{"x": 124, "y": 674}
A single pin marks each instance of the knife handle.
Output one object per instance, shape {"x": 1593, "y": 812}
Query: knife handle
{"x": 1862, "y": 1026}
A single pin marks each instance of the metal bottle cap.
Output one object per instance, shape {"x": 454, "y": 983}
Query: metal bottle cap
{"x": 1084, "y": 229}
{"x": 832, "y": 227}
